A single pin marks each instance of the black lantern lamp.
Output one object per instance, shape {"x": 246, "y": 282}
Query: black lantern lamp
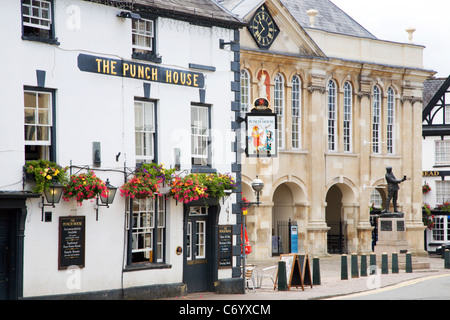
{"x": 106, "y": 200}
{"x": 52, "y": 195}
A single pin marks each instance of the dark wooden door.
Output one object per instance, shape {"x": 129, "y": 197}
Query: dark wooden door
{"x": 5, "y": 255}
{"x": 199, "y": 248}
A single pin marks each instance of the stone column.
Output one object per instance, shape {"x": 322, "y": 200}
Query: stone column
{"x": 364, "y": 148}
{"x": 317, "y": 227}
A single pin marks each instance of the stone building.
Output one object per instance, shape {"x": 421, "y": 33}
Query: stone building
{"x": 348, "y": 104}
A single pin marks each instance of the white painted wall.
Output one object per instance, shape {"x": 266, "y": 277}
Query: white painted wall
{"x": 93, "y": 107}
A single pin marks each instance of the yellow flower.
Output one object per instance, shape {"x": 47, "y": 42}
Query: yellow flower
{"x": 49, "y": 177}
{"x": 56, "y": 172}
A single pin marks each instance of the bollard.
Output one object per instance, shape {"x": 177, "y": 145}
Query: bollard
{"x": 442, "y": 251}
{"x": 408, "y": 267}
{"x": 354, "y": 267}
{"x": 446, "y": 255}
{"x": 344, "y": 269}
{"x": 384, "y": 263}
{"x": 316, "y": 271}
{"x": 394, "y": 262}
{"x": 364, "y": 265}
{"x": 282, "y": 280}
{"x": 373, "y": 263}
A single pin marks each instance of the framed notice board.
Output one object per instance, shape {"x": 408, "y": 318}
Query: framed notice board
{"x": 71, "y": 248}
{"x": 225, "y": 246}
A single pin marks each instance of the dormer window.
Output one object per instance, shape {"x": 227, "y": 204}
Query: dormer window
{"x": 143, "y": 40}
{"x": 38, "y": 21}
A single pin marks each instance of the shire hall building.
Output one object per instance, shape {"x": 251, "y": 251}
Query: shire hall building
{"x": 348, "y": 105}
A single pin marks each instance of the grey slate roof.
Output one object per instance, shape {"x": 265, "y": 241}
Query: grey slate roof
{"x": 330, "y": 17}
{"x": 205, "y": 10}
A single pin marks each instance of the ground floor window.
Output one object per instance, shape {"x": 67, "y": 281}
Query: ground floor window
{"x": 148, "y": 234}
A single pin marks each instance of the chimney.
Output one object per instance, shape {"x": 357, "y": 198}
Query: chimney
{"x": 410, "y": 32}
{"x": 312, "y": 15}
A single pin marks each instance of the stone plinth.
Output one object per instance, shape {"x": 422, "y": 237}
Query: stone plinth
{"x": 391, "y": 236}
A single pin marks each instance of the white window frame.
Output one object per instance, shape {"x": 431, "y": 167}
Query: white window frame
{"x": 391, "y": 121}
{"x": 348, "y": 117}
{"x": 189, "y": 241}
{"x": 245, "y": 90}
{"x": 200, "y": 135}
{"x": 296, "y": 110}
{"x": 439, "y": 229}
{"x": 200, "y": 239}
{"x": 376, "y": 120}
{"x": 442, "y": 152}
{"x": 144, "y": 130}
{"x": 442, "y": 191}
{"x": 39, "y": 14}
{"x": 143, "y": 29}
{"x": 143, "y": 210}
{"x": 331, "y": 114}
{"x": 279, "y": 107}
{"x": 38, "y": 123}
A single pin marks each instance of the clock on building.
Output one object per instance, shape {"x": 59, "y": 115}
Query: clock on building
{"x": 263, "y": 28}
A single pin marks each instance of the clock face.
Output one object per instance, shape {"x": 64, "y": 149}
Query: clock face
{"x": 263, "y": 28}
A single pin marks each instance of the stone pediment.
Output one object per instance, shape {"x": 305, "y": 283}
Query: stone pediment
{"x": 292, "y": 38}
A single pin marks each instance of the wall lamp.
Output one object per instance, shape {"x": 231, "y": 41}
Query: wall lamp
{"x": 257, "y": 186}
{"x": 52, "y": 195}
{"x": 106, "y": 200}
{"x": 222, "y": 43}
{"x": 131, "y": 15}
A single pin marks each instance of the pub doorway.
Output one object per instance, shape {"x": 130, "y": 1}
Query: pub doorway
{"x": 334, "y": 220}
{"x": 200, "y": 249}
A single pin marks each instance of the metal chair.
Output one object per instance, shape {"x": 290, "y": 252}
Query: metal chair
{"x": 250, "y": 277}
{"x": 269, "y": 272}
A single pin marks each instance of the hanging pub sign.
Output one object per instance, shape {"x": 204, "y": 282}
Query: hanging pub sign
{"x": 141, "y": 71}
{"x": 261, "y": 138}
{"x": 71, "y": 242}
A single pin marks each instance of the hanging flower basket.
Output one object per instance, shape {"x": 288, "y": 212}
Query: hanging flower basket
{"x": 426, "y": 188}
{"x": 44, "y": 173}
{"x": 84, "y": 186}
{"x": 201, "y": 189}
{"x": 148, "y": 181}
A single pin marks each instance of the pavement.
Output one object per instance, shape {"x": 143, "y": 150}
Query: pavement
{"x": 331, "y": 285}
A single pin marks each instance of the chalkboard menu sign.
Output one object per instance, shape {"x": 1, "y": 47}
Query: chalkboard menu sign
{"x": 71, "y": 242}
{"x": 225, "y": 246}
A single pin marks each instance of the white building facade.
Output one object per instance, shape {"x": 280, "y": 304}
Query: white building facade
{"x": 104, "y": 87}
{"x": 436, "y": 162}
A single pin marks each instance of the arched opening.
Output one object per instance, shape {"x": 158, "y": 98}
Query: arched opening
{"x": 337, "y": 195}
{"x": 282, "y": 219}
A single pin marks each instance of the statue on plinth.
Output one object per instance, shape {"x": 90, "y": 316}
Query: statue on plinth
{"x": 393, "y": 187}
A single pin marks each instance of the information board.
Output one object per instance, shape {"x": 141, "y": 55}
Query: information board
{"x": 225, "y": 246}
{"x": 72, "y": 231}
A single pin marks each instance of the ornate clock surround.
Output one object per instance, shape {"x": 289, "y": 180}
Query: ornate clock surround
{"x": 263, "y": 28}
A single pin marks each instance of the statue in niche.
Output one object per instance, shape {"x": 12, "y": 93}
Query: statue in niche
{"x": 262, "y": 93}
{"x": 393, "y": 187}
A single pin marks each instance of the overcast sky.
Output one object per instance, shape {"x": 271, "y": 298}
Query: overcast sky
{"x": 388, "y": 19}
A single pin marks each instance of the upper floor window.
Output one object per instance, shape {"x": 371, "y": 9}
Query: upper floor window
{"x": 143, "y": 40}
{"x": 245, "y": 90}
{"x": 296, "y": 112}
{"x": 376, "y": 120}
{"x": 348, "y": 115}
{"x": 278, "y": 102}
{"x": 38, "y": 21}
{"x": 331, "y": 115}
{"x": 145, "y": 129}
{"x": 39, "y": 127}
{"x": 200, "y": 142}
{"x": 390, "y": 121}
{"x": 442, "y": 152}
